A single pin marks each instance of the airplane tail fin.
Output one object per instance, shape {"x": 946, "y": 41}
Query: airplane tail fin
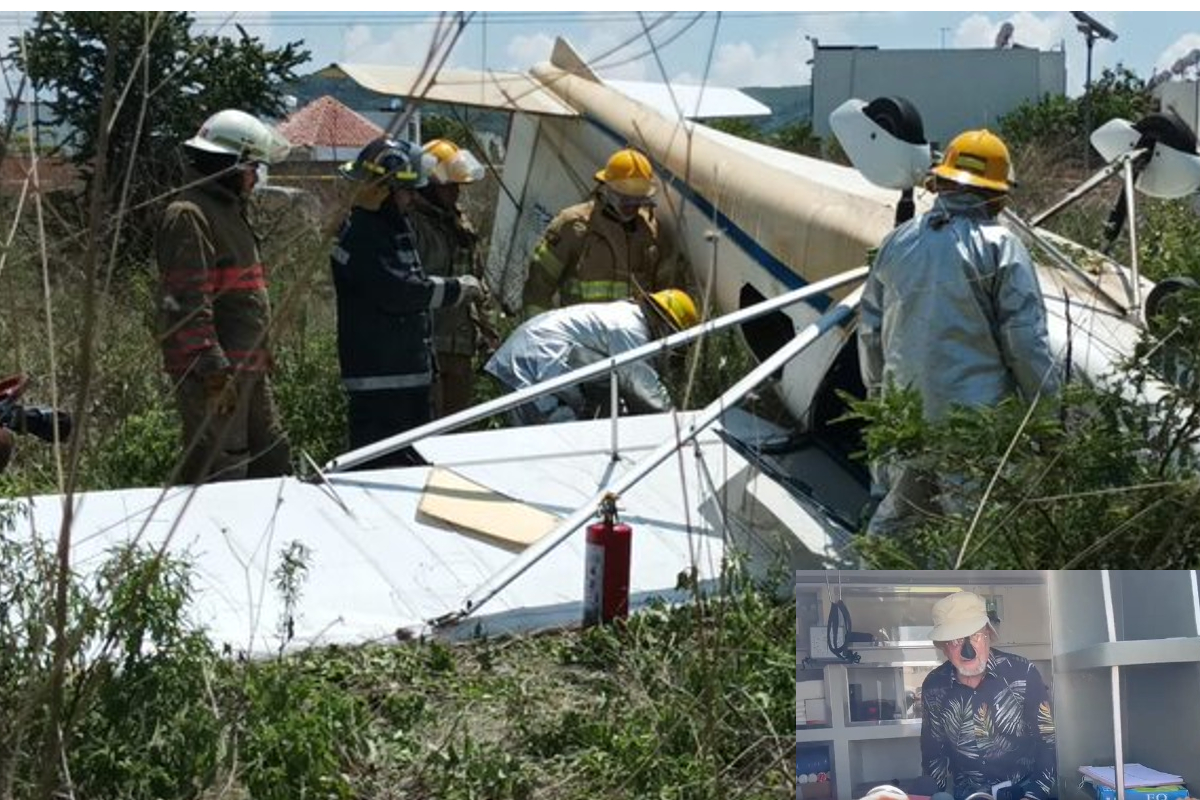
{"x": 565, "y": 58}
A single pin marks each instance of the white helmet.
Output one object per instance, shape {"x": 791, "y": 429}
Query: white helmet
{"x": 236, "y": 133}
{"x": 454, "y": 164}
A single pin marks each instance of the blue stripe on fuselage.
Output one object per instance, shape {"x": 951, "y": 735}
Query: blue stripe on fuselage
{"x": 749, "y": 245}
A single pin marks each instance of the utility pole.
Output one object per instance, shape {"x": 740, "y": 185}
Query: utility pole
{"x": 1091, "y": 30}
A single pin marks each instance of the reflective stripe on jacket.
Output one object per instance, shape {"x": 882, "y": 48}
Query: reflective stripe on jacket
{"x": 383, "y": 302}
{"x": 558, "y": 341}
{"x": 587, "y": 255}
{"x": 214, "y": 312}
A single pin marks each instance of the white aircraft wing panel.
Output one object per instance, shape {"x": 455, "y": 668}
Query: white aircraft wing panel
{"x": 504, "y": 91}
{"x": 694, "y": 102}
{"x": 377, "y": 565}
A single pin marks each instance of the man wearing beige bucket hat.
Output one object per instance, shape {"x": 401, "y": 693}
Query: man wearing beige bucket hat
{"x": 986, "y": 716}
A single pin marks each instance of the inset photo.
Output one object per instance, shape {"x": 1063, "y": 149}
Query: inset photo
{"x": 1009, "y": 685}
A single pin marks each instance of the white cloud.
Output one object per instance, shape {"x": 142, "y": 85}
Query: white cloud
{"x": 742, "y": 64}
{"x": 1181, "y": 47}
{"x": 1029, "y": 30}
{"x": 525, "y": 51}
{"x": 405, "y": 44}
{"x": 782, "y": 61}
{"x": 620, "y": 52}
{"x": 1051, "y": 31}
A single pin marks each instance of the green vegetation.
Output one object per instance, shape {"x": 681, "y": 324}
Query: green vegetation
{"x": 685, "y": 702}
{"x": 1099, "y": 479}
{"x": 173, "y": 80}
{"x": 109, "y": 688}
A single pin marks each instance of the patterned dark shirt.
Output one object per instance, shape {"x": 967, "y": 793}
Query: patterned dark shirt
{"x": 972, "y": 739}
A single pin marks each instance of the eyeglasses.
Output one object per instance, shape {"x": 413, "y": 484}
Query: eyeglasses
{"x": 976, "y": 638}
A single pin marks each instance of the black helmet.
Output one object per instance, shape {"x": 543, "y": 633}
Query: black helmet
{"x": 401, "y": 162}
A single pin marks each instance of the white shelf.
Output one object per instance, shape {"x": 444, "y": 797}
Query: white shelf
{"x": 1130, "y": 654}
{"x": 813, "y": 735}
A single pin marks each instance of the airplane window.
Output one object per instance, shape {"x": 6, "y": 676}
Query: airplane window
{"x": 767, "y": 333}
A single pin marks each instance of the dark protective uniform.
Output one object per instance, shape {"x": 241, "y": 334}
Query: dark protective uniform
{"x": 588, "y": 255}
{"x": 449, "y": 247}
{"x": 215, "y": 317}
{"x": 383, "y": 302}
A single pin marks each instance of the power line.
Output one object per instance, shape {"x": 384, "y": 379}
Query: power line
{"x": 326, "y": 19}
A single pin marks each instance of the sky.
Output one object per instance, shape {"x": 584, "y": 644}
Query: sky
{"x": 731, "y": 48}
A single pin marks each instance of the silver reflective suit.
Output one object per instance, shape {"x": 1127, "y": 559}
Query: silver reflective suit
{"x": 952, "y": 309}
{"x": 558, "y": 341}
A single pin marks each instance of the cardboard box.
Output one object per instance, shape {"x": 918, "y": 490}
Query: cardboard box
{"x": 810, "y": 690}
{"x": 816, "y": 712}
{"x": 821, "y": 790}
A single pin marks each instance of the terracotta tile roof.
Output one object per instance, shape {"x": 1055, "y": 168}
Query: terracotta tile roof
{"x": 53, "y": 173}
{"x": 325, "y": 122}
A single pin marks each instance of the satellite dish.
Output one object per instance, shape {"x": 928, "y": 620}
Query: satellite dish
{"x": 1004, "y": 36}
{"x": 1191, "y": 59}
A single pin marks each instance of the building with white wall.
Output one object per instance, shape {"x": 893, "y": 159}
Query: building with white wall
{"x": 954, "y": 89}
{"x": 1182, "y": 97}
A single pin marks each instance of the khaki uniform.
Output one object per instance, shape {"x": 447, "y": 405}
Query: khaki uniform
{"x": 214, "y": 317}
{"x": 449, "y": 248}
{"x": 587, "y": 255}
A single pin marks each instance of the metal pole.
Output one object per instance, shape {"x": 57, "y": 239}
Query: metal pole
{"x": 1063, "y": 261}
{"x": 1133, "y": 239}
{"x": 1087, "y": 99}
{"x": 1118, "y": 734}
{"x": 484, "y": 410}
{"x": 833, "y": 318}
{"x": 614, "y": 399}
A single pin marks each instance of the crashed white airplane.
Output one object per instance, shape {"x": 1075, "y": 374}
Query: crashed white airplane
{"x": 489, "y": 536}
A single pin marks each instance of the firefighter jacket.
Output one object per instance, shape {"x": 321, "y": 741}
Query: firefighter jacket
{"x": 588, "y": 255}
{"x": 558, "y": 341}
{"x": 448, "y": 247}
{"x": 952, "y": 308}
{"x": 214, "y": 312}
{"x": 383, "y": 302}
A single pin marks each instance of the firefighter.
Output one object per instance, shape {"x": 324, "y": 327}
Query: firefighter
{"x": 952, "y": 309}
{"x": 384, "y": 298}
{"x": 214, "y": 312}
{"x": 606, "y": 248}
{"x": 558, "y": 341}
{"x": 449, "y": 247}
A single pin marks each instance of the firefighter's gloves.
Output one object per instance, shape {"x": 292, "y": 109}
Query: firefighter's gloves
{"x": 470, "y": 290}
{"x": 220, "y": 393}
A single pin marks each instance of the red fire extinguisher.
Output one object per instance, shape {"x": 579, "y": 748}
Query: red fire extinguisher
{"x": 606, "y": 573}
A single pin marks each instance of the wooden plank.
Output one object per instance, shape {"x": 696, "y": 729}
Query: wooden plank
{"x": 475, "y": 509}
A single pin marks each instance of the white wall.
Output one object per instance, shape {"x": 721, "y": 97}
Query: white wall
{"x": 955, "y": 90}
{"x": 1182, "y": 97}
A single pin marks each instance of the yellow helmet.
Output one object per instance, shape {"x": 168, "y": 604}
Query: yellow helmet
{"x": 454, "y": 164}
{"x": 977, "y": 158}
{"x": 677, "y": 306}
{"x": 628, "y": 172}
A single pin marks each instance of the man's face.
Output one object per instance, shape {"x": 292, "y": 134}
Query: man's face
{"x": 445, "y": 194}
{"x": 249, "y": 174}
{"x": 626, "y": 206}
{"x": 969, "y": 667}
{"x": 403, "y": 198}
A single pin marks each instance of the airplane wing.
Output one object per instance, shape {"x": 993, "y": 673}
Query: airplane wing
{"x": 502, "y": 91}
{"x": 690, "y": 101}
{"x": 380, "y": 567}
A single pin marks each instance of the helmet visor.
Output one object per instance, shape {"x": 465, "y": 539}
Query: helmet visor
{"x": 462, "y": 167}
